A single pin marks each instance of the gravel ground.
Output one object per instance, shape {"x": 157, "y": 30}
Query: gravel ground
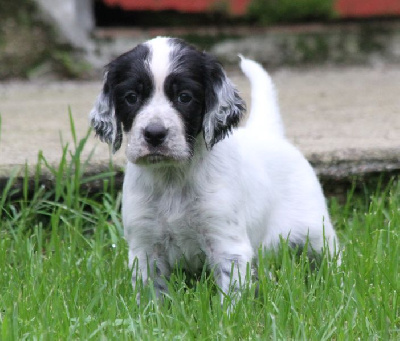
{"x": 334, "y": 115}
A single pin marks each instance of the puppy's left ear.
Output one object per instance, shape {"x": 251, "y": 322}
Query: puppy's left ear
{"x": 103, "y": 119}
{"x": 224, "y": 107}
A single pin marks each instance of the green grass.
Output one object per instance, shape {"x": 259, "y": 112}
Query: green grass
{"x": 287, "y": 11}
{"x": 64, "y": 273}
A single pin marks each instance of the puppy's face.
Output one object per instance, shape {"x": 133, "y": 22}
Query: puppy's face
{"x": 163, "y": 94}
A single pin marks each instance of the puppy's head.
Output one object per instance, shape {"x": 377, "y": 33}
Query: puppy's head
{"x": 163, "y": 94}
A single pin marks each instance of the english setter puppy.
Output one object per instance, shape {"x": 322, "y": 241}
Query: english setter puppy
{"x": 195, "y": 192}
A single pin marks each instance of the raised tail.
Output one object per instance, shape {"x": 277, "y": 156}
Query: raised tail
{"x": 264, "y": 114}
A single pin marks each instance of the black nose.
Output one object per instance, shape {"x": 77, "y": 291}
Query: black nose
{"x": 155, "y": 134}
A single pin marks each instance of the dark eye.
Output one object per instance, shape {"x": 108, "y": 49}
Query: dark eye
{"x": 131, "y": 98}
{"x": 184, "y": 98}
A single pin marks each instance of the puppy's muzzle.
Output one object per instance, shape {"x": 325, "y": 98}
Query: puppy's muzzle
{"x": 155, "y": 134}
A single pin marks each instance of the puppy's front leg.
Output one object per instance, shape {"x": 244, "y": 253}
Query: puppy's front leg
{"x": 149, "y": 267}
{"x": 230, "y": 260}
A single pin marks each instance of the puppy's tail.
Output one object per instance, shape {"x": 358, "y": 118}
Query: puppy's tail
{"x": 264, "y": 114}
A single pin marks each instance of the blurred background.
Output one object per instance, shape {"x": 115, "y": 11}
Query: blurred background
{"x": 75, "y": 38}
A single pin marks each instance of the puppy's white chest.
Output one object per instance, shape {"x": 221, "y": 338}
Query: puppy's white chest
{"x": 168, "y": 220}
{"x": 182, "y": 233}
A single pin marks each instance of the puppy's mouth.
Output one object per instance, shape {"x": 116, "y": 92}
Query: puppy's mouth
{"x": 155, "y": 158}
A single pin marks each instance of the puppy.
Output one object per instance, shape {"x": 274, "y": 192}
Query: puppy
{"x": 195, "y": 192}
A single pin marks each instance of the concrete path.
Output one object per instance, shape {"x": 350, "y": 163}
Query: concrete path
{"x": 345, "y": 120}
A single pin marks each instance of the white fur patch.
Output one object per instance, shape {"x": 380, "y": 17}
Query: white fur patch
{"x": 159, "y": 63}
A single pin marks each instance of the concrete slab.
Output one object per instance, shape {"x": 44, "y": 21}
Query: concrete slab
{"x": 345, "y": 120}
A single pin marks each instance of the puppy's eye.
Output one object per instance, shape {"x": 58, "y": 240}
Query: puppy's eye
{"x": 131, "y": 98}
{"x": 184, "y": 98}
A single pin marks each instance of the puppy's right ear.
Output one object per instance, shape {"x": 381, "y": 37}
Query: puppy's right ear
{"x": 103, "y": 119}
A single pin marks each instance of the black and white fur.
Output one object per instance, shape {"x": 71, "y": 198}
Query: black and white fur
{"x": 188, "y": 199}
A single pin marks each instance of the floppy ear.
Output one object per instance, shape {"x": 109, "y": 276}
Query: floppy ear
{"x": 224, "y": 107}
{"x": 103, "y": 119}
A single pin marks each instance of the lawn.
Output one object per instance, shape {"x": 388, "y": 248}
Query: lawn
{"x": 64, "y": 273}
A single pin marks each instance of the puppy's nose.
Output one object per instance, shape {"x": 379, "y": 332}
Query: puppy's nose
{"x": 155, "y": 134}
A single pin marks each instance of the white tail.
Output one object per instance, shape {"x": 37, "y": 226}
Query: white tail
{"x": 264, "y": 112}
